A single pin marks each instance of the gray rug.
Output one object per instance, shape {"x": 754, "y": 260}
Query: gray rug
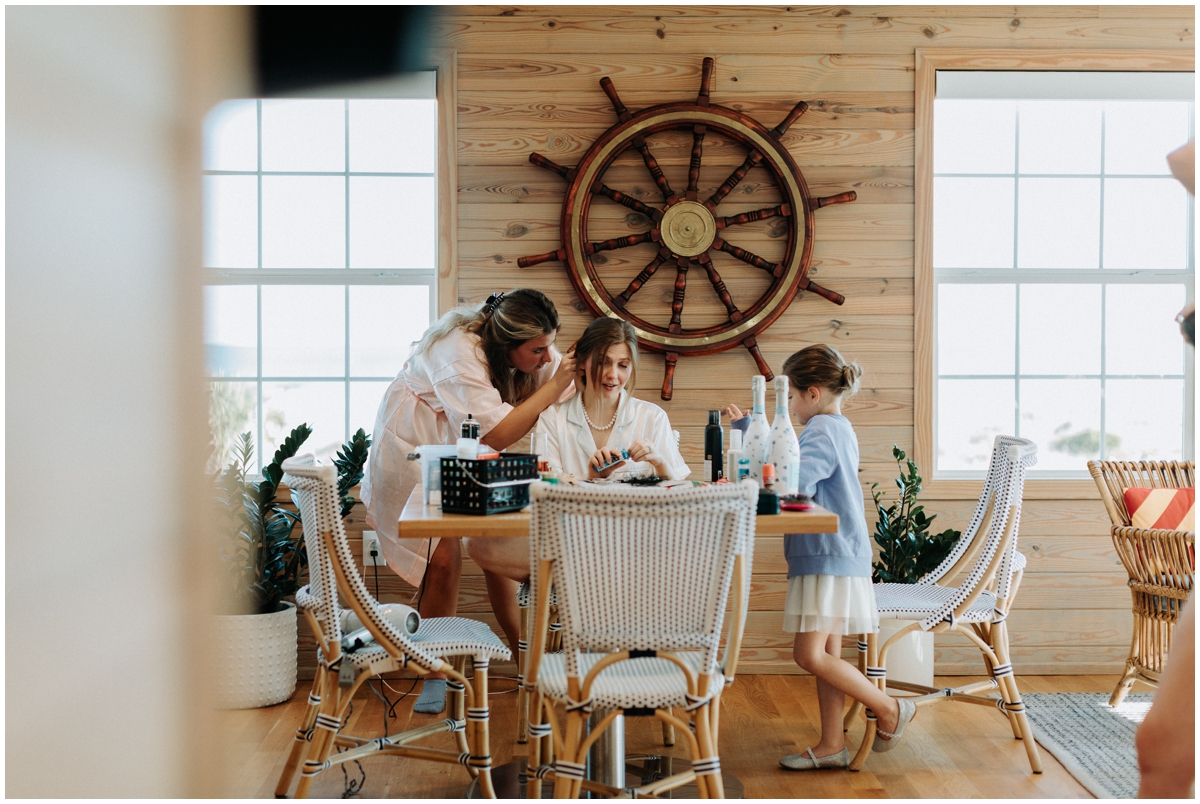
{"x": 1092, "y": 740}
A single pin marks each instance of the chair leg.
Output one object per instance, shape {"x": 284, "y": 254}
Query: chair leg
{"x": 323, "y": 739}
{"x": 533, "y": 783}
{"x": 708, "y": 783}
{"x": 572, "y": 737}
{"x": 1123, "y": 686}
{"x": 477, "y": 722}
{"x": 856, "y": 707}
{"x": 458, "y": 704}
{"x": 872, "y": 660}
{"x": 1012, "y": 696}
{"x": 304, "y": 736}
{"x": 522, "y": 694}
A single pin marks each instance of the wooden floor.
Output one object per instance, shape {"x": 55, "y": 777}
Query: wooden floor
{"x": 949, "y": 751}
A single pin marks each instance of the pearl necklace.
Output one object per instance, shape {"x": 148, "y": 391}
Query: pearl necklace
{"x": 595, "y": 426}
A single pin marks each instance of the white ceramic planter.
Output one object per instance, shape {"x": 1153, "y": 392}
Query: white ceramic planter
{"x": 255, "y": 658}
{"x": 910, "y": 658}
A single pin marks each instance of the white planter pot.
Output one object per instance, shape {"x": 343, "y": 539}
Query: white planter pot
{"x": 911, "y": 657}
{"x": 255, "y": 658}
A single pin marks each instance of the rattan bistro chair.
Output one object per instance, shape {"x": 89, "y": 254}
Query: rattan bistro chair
{"x": 642, "y": 577}
{"x": 1160, "y": 563}
{"x": 971, "y": 608}
{"x": 320, "y": 742}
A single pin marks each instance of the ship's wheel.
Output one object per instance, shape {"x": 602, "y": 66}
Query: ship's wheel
{"x": 689, "y": 231}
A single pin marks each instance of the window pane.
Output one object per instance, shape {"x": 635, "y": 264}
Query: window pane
{"x": 1058, "y": 223}
{"x": 971, "y": 413}
{"x": 1060, "y": 329}
{"x": 972, "y": 223}
{"x": 365, "y": 398}
{"x": 304, "y": 222}
{"x": 304, "y": 331}
{"x": 1060, "y": 136}
{"x": 976, "y": 327}
{"x": 304, "y": 135}
{"x": 231, "y": 330}
{"x": 393, "y": 222}
{"x": 393, "y": 136}
{"x": 1142, "y": 336}
{"x": 232, "y": 410}
{"x": 384, "y": 324}
{"x": 1138, "y": 135}
{"x": 231, "y": 221}
{"x": 231, "y": 136}
{"x": 1144, "y": 420}
{"x": 974, "y": 136}
{"x": 320, "y": 405}
{"x": 1145, "y": 224}
{"x": 1063, "y": 418}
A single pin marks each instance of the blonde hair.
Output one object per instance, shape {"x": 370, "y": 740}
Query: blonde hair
{"x": 822, "y": 366}
{"x": 600, "y": 336}
{"x": 503, "y": 322}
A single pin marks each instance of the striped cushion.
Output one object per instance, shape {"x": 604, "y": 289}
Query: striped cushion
{"x": 1162, "y": 509}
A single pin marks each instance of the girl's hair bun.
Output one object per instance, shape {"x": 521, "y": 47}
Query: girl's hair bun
{"x": 822, "y": 366}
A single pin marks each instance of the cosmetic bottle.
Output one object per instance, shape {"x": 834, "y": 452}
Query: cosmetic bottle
{"x": 783, "y": 448}
{"x": 714, "y": 444}
{"x": 755, "y": 443}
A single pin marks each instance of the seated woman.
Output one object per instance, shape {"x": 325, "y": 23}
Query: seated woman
{"x": 589, "y": 430}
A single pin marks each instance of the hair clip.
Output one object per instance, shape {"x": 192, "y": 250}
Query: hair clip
{"x": 492, "y": 303}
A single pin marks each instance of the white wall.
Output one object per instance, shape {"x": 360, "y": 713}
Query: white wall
{"x": 104, "y": 396}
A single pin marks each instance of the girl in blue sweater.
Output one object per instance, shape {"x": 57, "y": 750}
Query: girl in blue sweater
{"x": 829, "y": 575}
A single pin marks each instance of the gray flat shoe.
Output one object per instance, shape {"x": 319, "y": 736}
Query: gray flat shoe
{"x": 907, "y": 710}
{"x": 810, "y": 761}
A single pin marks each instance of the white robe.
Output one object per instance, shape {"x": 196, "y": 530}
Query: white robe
{"x": 426, "y": 404}
{"x": 565, "y": 440}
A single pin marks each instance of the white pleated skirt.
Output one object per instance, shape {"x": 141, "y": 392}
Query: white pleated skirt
{"x": 831, "y": 604}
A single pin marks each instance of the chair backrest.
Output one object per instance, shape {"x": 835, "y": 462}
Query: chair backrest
{"x": 314, "y": 490}
{"x": 1113, "y": 477}
{"x": 994, "y": 559}
{"x": 641, "y": 569}
{"x": 996, "y": 472}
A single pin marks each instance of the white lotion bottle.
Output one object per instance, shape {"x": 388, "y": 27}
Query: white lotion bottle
{"x": 783, "y": 448}
{"x": 755, "y": 443}
{"x": 733, "y": 455}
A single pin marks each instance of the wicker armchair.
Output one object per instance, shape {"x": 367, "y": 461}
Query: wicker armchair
{"x": 977, "y": 608}
{"x": 1160, "y": 563}
{"x": 332, "y": 569}
{"x": 643, "y": 577}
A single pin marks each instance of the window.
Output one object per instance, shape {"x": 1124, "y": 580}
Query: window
{"x": 1061, "y": 251}
{"x": 320, "y": 245}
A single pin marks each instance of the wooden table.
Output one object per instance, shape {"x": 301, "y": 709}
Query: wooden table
{"x": 420, "y": 521}
{"x": 607, "y": 761}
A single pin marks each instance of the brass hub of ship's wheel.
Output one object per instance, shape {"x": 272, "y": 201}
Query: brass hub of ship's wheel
{"x": 688, "y": 229}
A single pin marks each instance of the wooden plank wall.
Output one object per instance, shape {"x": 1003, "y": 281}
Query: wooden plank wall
{"x": 527, "y": 79}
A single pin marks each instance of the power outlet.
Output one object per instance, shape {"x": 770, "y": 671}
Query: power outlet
{"x": 370, "y": 541}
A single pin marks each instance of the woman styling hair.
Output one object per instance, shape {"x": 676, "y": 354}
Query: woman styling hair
{"x": 497, "y": 363}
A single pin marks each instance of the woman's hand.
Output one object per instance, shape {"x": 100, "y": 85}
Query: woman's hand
{"x": 734, "y": 413}
{"x": 601, "y": 457}
{"x": 643, "y": 450}
{"x": 567, "y": 370}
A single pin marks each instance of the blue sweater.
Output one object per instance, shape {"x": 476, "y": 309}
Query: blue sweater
{"x": 829, "y": 474}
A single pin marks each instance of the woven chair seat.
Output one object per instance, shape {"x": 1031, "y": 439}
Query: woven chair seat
{"x": 441, "y": 637}
{"x": 634, "y": 684}
{"x": 906, "y": 601}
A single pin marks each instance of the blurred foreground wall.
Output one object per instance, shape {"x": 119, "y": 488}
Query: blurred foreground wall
{"x": 105, "y": 406}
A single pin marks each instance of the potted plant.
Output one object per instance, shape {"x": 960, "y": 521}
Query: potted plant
{"x": 907, "y": 553}
{"x": 263, "y": 561}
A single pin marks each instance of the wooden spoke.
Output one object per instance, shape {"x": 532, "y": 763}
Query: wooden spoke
{"x": 760, "y": 361}
{"x": 668, "y": 386}
{"x": 542, "y": 162}
{"x": 622, "y": 242}
{"x": 706, "y": 74}
{"x": 840, "y": 198}
{"x": 735, "y": 315}
{"x": 529, "y": 262}
{"x": 682, "y": 264}
{"x": 611, "y": 91}
{"x": 623, "y": 298}
{"x": 748, "y": 257}
{"x": 794, "y": 115}
{"x": 655, "y": 171}
{"x": 627, "y": 201}
{"x": 694, "y": 165}
{"x": 783, "y": 210}
{"x": 736, "y": 176}
{"x": 824, "y": 293}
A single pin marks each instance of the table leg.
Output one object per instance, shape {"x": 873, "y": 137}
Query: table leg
{"x": 606, "y": 760}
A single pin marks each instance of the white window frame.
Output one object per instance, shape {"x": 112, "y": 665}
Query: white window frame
{"x": 955, "y": 485}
